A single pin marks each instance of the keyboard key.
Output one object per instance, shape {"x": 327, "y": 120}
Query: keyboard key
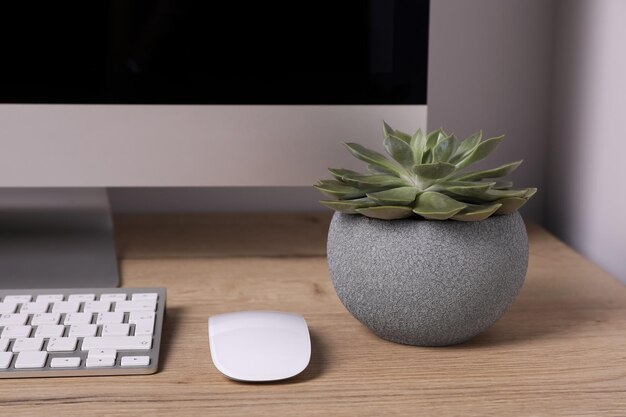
{"x": 17, "y": 298}
{"x": 98, "y": 362}
{"x": 135, "y": 360}
{"x": 7, "y": 308}
{"x": 62, "y": 344}
{"x": 111, "y": 317}
{"x": 45, "y": 318}
{"x": 102, "y": 353}
{"x": 31, "y": 360}
{"x": 50, "y": 298}
{"x": 145, "y": 296}
{"x": 83, "y": 330}
{"x": 115, "y": 329}
{"x": 81, "y": 297}
{"x": 135, "y": 306}
{"x": 66, "y": 306}
{"x": 49, "y": 330}
{"x": 143, "y": 321}
{"x": 113, "y": 297}
{"x": 5, "y": 359}
{"x": 77, "y": 318}
{"x": 135, "y": 317}
{"x": 10, "y": 319}
{"x": 16, "y": 331}
{"x": 118, "y": 343}
{"x": 24, "y": 344}
{"x": 4, "y": 342}
{"x": 144, "y": 329}
{"x": 97, "y": 306}
{"x": 65, "y": 363}
{"x": 36, "y": 307}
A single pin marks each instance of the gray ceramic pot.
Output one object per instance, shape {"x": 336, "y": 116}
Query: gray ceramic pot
{"x": 427, "y": 283}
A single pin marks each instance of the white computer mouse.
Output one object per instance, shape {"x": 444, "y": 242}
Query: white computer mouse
{"x": 259, "y": 345}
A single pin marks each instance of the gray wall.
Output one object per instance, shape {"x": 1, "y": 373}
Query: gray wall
{"x": 586, "y": 196}
{"x": 489, "y": 68}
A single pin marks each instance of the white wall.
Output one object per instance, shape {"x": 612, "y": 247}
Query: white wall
{"x": 489, "y": 68}
{"x": 586, "y": 193}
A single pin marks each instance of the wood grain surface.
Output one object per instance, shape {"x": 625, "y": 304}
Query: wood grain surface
{"x": 559, "y": 350}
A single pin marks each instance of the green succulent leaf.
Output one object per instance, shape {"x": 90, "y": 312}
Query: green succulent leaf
{"x": 399, "y": 150}
{"x": 372, "y": 157}
{"x": 445, "y": 148}
{"x": 373, "y": 169}
{"x": 375, "y": 181}
{"x": 339, "y": 173}
{"x": 498, "y": 172}
{"x": 510, "y": 205}
{"x": 531, "y": 192}
{"x": 427, "y": 156}
{"x": 467, "y": 146}
{"x": 348, "y": 206}
{"x": 437, "y": 206}
{"x": 495, "y": 195}
{"x": 474, "y": 213}
{"x": 400, "y": 195}
{"x": 389, "y": 131}
{"x": 433, "y": 138}
{"x": 403, "y": 135}
{"x": 338, "y": 190}
{"x": 480, "y": 152}
{"x": 417, "y": 145}
{"x": 502, "y": 185}
{"x": 386, "y": 212}
{"x": 434, "y": 171}
{"x": 469, "y": 189}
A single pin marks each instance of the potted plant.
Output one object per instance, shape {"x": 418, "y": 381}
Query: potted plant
{"x": 422, "y": 250}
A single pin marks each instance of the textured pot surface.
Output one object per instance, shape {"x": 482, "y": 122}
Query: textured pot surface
{"x": 427, "y": 283}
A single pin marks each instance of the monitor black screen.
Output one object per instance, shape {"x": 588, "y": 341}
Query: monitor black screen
{"x": 209, "y": 52}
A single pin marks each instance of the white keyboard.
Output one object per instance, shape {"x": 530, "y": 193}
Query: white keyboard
{"x": 80, "y": 332}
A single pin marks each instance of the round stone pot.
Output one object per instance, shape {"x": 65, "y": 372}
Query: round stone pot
{"x": 427, "y": 283}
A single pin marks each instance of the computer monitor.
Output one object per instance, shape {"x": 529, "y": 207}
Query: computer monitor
{"x": 185, "y": 93}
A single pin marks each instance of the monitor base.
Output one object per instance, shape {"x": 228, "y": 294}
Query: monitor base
{"x": 56, "y": 238}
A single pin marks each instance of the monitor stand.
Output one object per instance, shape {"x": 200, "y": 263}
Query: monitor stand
{"x": 56, "y": 238}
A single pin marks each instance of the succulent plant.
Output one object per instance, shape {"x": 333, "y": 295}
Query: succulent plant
{"x": 428, "y": 177}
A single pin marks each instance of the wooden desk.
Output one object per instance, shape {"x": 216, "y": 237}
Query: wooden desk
{"x": 561, "y": 349}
